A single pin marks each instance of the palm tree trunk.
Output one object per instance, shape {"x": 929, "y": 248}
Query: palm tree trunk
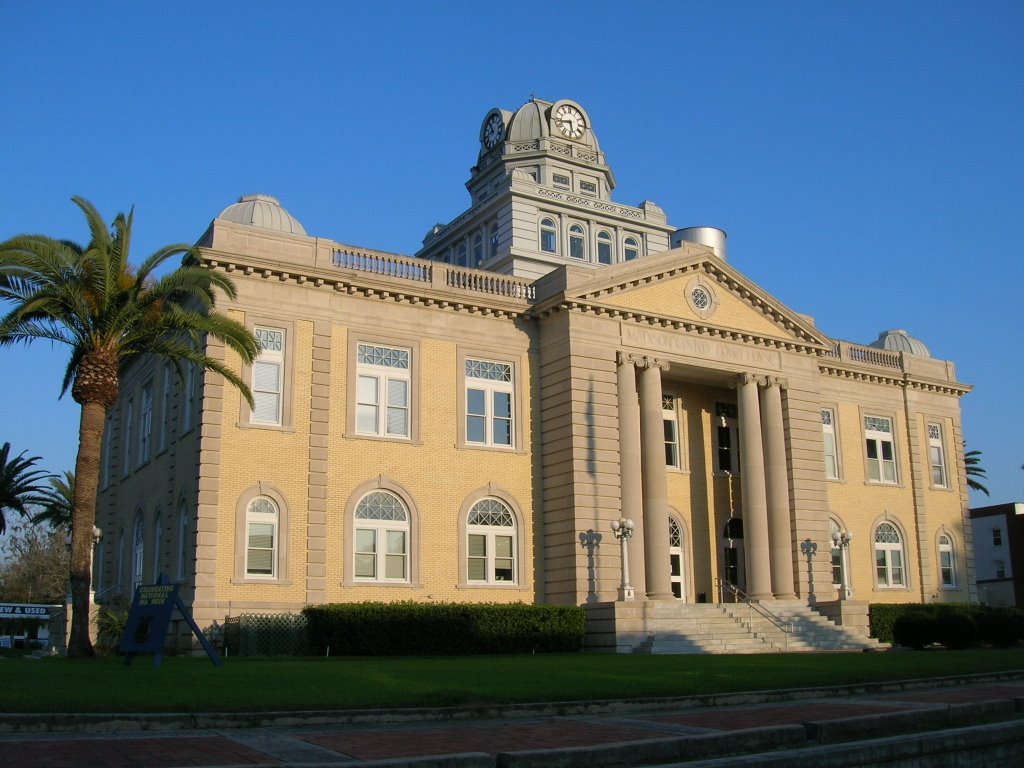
{"x": 83, "y": 518}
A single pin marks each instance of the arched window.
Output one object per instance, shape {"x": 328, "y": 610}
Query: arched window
{"x": 631, "y": 249}
{"x": 889, "y": 556}
{"x": 478, "y": 249}
{"x": 839, "y": 541}
{"x": 548, "y": 236}
{"x": 604, "y": 248}
{"x": 460, "y": 259}
{"x": 158, "y": 546}
{"x": 947, "y": 562}
{"x": 491, "y": 543}
{"x": 577, "y": 242}
{"x": 182, "y": 539}
{"x": 381, "y": 538}
{"x": 493, "y": 250}
{"x": 138, "y": 549}
{"x": 262, "y": 523}
{"x": 676, "y": 556}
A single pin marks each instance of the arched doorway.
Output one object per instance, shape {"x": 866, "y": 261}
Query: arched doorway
{"x": 732, "y": 564}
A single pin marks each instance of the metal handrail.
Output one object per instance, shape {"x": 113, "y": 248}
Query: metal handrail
{"x": 739, "y": 596}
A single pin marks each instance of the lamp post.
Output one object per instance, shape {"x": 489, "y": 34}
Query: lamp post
{"x": 623, "y": 530}
{"x": 841, "y": 541}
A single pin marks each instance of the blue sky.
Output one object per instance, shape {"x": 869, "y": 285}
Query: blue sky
{"x": 866, "y": 159}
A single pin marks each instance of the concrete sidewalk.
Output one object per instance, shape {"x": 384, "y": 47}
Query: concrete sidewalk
{"x": 789, "y": 726}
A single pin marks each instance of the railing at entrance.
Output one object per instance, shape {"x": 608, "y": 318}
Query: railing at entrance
{"x": 739, "y": 596}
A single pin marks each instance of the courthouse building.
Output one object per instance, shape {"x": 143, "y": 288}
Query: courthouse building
{"x": 465, "y": 423}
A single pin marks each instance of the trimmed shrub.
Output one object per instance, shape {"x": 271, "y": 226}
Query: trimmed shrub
{"x": 956, "y": 629}
{"x": 916, "y": 629}
{"x": 443, "y": 629}
{"x": 1001, "y": 627}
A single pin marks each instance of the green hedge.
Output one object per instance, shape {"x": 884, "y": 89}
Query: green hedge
{"x": 955, "y": 625}
{"x": 443, "y": 629}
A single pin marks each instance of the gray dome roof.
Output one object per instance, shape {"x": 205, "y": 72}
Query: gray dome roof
{"x": 898, "y": 340}
{"x": 262, "y": 211}
{"x": 532, "y": 121}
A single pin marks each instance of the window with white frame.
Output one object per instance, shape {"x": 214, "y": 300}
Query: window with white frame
{"x": 138, "y": 550}
{"x": 828, "y": 434}
{"x": 881, "y": 454}
{"x": 671, "y": 420}
{"x": 489, "y": 391}
{"x": 604, "y": 248}
{"x": 999, "y": 566}
{"x": 888, "y": 556}
{"x": 491, "y": 543}
{"x": 158, "y": 546}
{"x": 101, "y": 550}
{"x": 262, "y": 522}
{"x": 165, "y": 409}
{"x": 947, "y": 561}
{"x": 381, "y": 538}
{"x": 936, "y": 455}
{"x": 146, "y": 424}
{"x": 834, "y": 532}
{"x": 548, "y": 236}
{"x": 997, "y": 537}
{"x": 726, "y": 438}
{"x": 577, "y": 242}
{"x": 129, "y": 423}
{"x": 268, "y": 376}
{"x": 382, "y": 390}
{"x": 630, "y": 249}
{"x": 182, "y": 539}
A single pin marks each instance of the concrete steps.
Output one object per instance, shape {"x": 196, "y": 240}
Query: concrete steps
{"x": 672, "y": 627}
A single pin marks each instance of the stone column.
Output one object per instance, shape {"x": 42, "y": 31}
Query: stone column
{"x": 755, "y": 503}
{"x": 631, "y": 504}
{"x": 780, "y": 535}
{"x": 655, "y": 482}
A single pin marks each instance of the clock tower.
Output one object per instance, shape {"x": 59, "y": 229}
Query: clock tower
{"x": 541, "y": 196}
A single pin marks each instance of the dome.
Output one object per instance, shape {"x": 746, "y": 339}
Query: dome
{"x": 262, "y": 211}
{"x": 898, "y": 340}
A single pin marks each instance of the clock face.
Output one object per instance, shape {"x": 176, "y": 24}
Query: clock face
{"x": 569, "y": 121}
{"x": 493, "y": 131}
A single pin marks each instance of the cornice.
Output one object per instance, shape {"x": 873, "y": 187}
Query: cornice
{"x": 695, "y": 327}
{"x": 592, "y": 206}
{"x": 368, "y": 285}
{"x": 893, "y": 379}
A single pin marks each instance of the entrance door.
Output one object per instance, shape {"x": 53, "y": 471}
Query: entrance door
{"x": 732, "y": 564}
{"x": 675, "y": 554}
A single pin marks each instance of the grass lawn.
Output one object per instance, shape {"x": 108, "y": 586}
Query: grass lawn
{"x": 248, "y": 684}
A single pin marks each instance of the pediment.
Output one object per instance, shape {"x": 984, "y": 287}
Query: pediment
{"x": 689, "y": 286}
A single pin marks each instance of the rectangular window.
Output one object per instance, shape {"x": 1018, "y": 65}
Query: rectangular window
{"x": 188, "y": 397}
{"x": 560, "y": 180}
{"x": 268, "y": 376}
{"x": 727, "y": 443}
{"x": 146, "y": 424}
{"x": 260, "y": 549}
{"x": 165, "y": 409}
{"x": 489, "y": 414}
{"x": 1000, "y": 569}
{"x": 129, "y": 420}
{"x": 881, "y": 455}
{"x": 588, "y": 188}
{"x": 946, "y": 568}
{"x": 671, "y": 420}
{"x": 382, "y": 390}
{"x": 997, "y": 537}
{"x": 936, "y": 455}
{"x": 828, "y": 433}
{"x": 108, "y": 437}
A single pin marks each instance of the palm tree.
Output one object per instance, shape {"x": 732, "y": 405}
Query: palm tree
{"x": 19, "y": 483}
{"x": 109, "y": 313}
{"x": 57, "y": 502}
{"x": 972, "y": 463}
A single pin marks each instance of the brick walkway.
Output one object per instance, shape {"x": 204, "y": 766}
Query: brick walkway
{"x": 357, "y": 743}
